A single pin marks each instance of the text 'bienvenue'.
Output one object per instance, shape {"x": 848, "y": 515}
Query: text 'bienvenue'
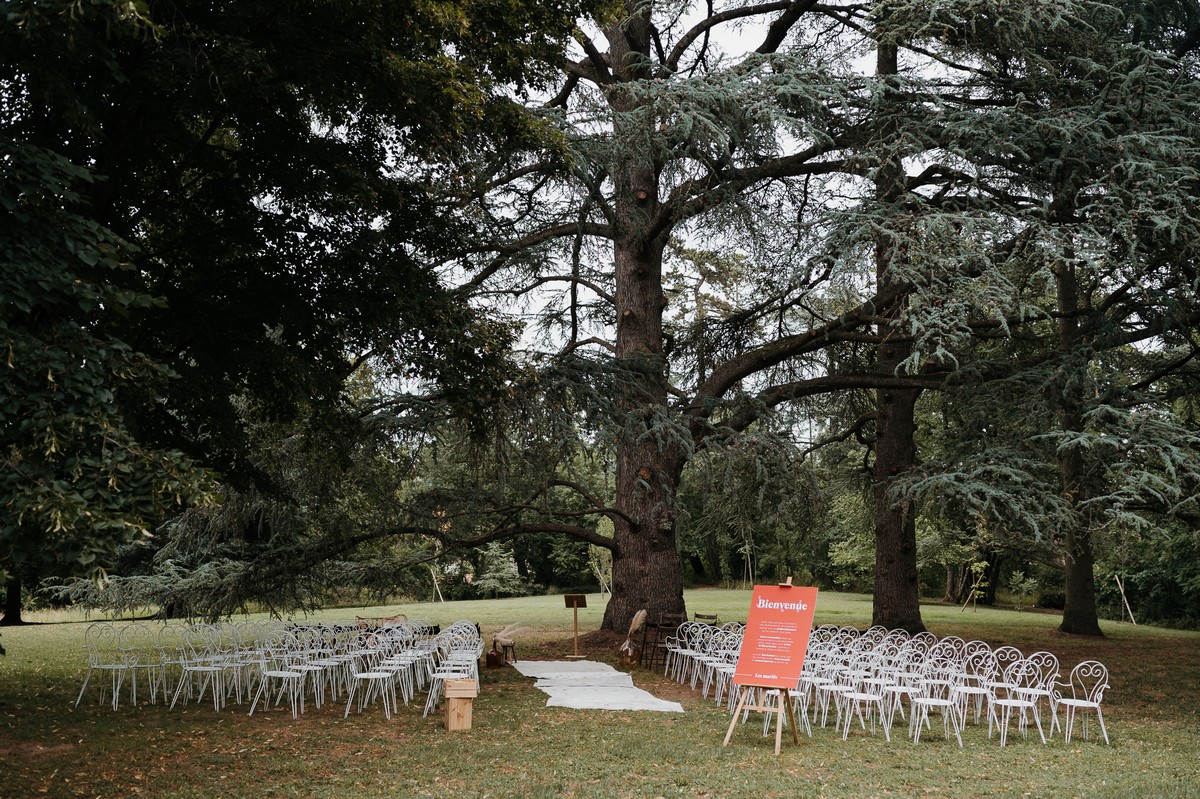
{"x": 767, "y": 604}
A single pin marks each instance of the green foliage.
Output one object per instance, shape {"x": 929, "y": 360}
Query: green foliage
{"x": 499, "y": 575}
{"x": 1022, "y": 588}
{"x": 754, "y": 511}
{"x": 1160, "y": 568}
{"x": 270, "y": 168}
{"x": 304, "y": 187}
{"x": 75, "y": 481}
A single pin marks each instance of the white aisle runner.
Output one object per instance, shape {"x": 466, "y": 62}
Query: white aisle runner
{"x": 585, "y": 684}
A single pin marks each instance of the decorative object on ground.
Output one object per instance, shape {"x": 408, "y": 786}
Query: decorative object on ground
{"x": 504, "y": 643}
{"x": 631, "y": 655}
{"x": 589, "y": 685}
{"x": 371, "y": 622}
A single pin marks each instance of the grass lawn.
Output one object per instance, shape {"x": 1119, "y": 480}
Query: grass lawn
{"x": 519, "y": 747}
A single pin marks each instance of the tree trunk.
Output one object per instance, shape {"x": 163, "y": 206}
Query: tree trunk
{"x": 12, "y": 603}
{"x": 646, "y": 568}
{"x": 1079, "y": 608}
{"x": 897, "y": 601}
{"x": 993, "y": 578}
{"x": 953, "y": 588}
{"x": 716, "y": 570}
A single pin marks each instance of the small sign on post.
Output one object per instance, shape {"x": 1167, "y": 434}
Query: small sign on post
{"x": 773, "y": 649}
{"x": 575, "y": 602}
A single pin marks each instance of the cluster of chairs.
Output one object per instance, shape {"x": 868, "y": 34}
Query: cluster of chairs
{"x": 265, "y": 662}
{"x": 869, "y": 677}
{"x": 659, "y": 634}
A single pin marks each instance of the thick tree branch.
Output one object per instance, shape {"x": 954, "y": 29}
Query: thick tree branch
{"x": 574, "y": 345}
{"x": 782, "y": 25}
{"x": 581, "y": 70}
{"x": 711, "y": 191}
{"x": 775, "y": 352}
{"x": 564, "y": 94}
{"x": 600, "y": 66}
{"x": 504, "y": 533}
{"x": 854, "y": 430}
{"x": 787, "y": 392}
{"x": 598, "y": 506}
{"x": 1169, "y": 369}
{"x": 601, "y": 293}
{"x": 508, "y": 177}
{"x": 710, "y": 22}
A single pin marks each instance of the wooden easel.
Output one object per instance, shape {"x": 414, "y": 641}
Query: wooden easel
{"x": 576, "y": 601}
{"x": 772, "y": 653}
{"x": 785, "y": 701}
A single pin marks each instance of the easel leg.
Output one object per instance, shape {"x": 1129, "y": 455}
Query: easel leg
{"x": 737, "y": 714}
{"x": 791, "y": 712}
{"x": 779, "y": 722}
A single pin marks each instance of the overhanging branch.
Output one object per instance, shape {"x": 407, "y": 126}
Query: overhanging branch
{"x": 786, "y": 392}
{"x": 533, "y": 239}
{"x": 775, "y": 352}
{"x": 710, "y": 22}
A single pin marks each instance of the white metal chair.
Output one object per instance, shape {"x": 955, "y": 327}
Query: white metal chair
{"x": 275, "y": 672}
{"x": 1012, "y": 693}
{"x": 979, "y": 668}
{"x": 204, "y": 659}
{"x": 137, "y": 642}
{"x": 101, "y": 645}
{"x": 866, "y": 698}
{"x": 1047, "y": 666}
{"x": 459, "y": 661}
{"x": 1084, "y": 690}
{"x": 368, "y": 684}
{"x": 934, "y": 689}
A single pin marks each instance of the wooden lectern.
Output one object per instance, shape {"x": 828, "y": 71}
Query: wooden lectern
{"x": 576, "y": 601}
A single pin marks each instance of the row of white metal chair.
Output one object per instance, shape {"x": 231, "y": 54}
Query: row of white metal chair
{"x": 871, "y": 676}
{"x": 266, "y": 662}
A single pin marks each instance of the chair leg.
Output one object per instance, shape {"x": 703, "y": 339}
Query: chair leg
{"x": 1100, "y": 718}
{"x": 262, "y": 684}
{"x": 83, "y": 688}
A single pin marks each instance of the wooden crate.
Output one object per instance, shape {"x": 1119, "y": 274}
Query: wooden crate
{"x": 462, "y": 689}
{"x": 460, "y": 695}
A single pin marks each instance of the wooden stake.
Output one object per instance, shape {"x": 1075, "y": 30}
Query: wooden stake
{"x": 1125, "y": 599}
{"x": 575, "y": 602}
{"x": 576, "y": 609}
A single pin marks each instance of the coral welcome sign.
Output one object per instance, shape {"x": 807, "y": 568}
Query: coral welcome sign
{"x": 776, "y": 636}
